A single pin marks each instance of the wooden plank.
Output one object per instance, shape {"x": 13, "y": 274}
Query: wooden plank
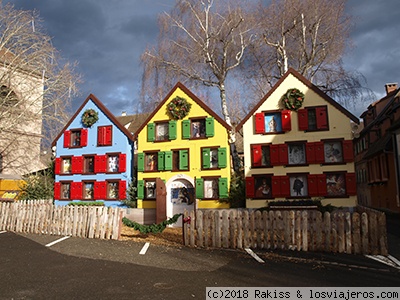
{"x": 199, "y": 228}
{"x": 246, "y": 229}
{"x": 213, "y": 232}
{"x": 225, "y": 229}
{"x": 267, "y": 231}
{"x": 364, "y": 233}
{"x": 318, "y": 231}
{"x": 206, "y": 228}
{"x": 273, "y": 226}
{"x": 356, "y": 233}
{"x": 218, "y": 228}
{"x": 341, "y": 236}
{"x": 373, "y": 230}
{"x": 383, "y": 245}
{"x": 304, "y": 230}
{"x": 192, "y": 231}
{"x": 298, "y": 230}
{"x": 252, "y": 234}
{"x": 232, "y": 230}
{"x": 239, "y": 229}
{"x": 327, "y": 230}
{"x": 259, "y": 229}
{"x": 347, "y": 229}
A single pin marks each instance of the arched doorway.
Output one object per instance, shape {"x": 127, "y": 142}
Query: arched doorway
{"x": 180, "y": 196}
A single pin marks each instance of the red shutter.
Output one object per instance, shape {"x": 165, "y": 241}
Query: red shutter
{"x": 310, "y": 153}
{"x": 286, "y": 122}
{"x": 351, "y": 186}
{"x": 322, "y": 117}
{"x": 57, "y": 190}
{"x": 122, "y": 162}
{"x": 100, "y": 190}
{"x": 67, "y": 139}
{"x": 312, "y": 182}
{"x": 302, "y": 115}
{"x": 256, "y": 155}
{"x": 122, "y": 190}
{"x": 100, "y": 136}
{"x": 276, "y": 186}
{"x": 57, "y": 166}
{"x": 274, "y": 153}
{"x": 77, "y": 164}
{"x": 348, "y": 152}
{"x": 76, "y": 190}
{"x": 259, "y": 122}
{"x": 321, "y": 185}
{"x": 84, "y": 137}
{"x": 283, "y": 154}
{"x": 108, "y": 135}
{"x": 250, "y": 187}
{"x": 319, "y": 152}
{"x": 285, "y": 186}
{"x": 100, "y": 163}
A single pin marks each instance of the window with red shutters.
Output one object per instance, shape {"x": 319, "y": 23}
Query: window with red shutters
{"x": 100, "y": 164}
{"x": 122, "y": 190}
{"x": 283, "y": 154}
{"x": 67, "y": 139}
{"x": 57, "y": 166}
{"x": 312, "y": 181}
{"x": 77, "y": 164}
{"x": 280, "y": 186}
{"x": 348, "y": 151}
{"x": 250, "y": 187}
{"x": 274, "y": 153}
{"x": 104, "y": 135}
{"x": 319, "y": 152}
{"x": 75, "y": 138}
{"x": 256, "y": 155}
{"x": 122, "y": 162}
{"x": 313, "y": 118}
{"x": 321, "y": 182}
{"x": 57, "y": 190}
{"x": 302, "y": 115}
{"x": 100, "y": 189}
{"x": 259, "y": 122}
{"x": 351, "y": 184}
{"x": 84, "y": 137}
{"x": 310, "y": 153}
{"x": 76, "y": 190}
{"x": 322, "y": 117}
{"x": 286, "y": 120}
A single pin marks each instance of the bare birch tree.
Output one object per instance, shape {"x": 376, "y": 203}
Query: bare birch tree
{"x": 200, "y": 42}
{"x": 35, "y": 89}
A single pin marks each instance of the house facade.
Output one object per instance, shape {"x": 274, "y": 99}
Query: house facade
{"x": 183, "y": 156}
{"x": 298, "y": 146}
{"x": 377, "y": 153}
{"x": 93, "y": 157}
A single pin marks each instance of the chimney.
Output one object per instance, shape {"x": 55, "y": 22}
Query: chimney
{"x": 123, "y": 113}
{"x": 390, "y": 87}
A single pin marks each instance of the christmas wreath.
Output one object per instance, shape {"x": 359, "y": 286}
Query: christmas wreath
{"x": 178, "y": 108}
{"x": 293, "y": 99}
{"x": 89, "y": 117}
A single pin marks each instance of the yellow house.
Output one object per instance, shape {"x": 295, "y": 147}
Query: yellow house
{"x": 184, "y": 145}
{"x": 298, "y": 146}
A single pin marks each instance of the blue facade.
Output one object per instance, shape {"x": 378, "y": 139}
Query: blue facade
{"x": 99, "y": 166}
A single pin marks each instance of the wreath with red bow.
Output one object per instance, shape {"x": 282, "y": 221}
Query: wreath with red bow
{"x": 178, "y": 108}
{"x": 293, "y": 99}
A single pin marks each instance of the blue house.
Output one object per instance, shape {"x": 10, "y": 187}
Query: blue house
{"x": 93, "y": 157}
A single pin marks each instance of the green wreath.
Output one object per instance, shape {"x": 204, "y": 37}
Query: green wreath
{"x": 293, "y": 99}
{"x": 178, "y": 108}
{"x": 89, "y": 117}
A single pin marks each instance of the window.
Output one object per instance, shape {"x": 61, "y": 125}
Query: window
{"x": 88, "y": 190}
{"x": 65, "y": 190}
{"x": 161, "y": 131}
{"x": 112, "y": 189}
{"x": 335, "y": 185}
{"x": 313, "y": 118}
{"x": 88, "y": 165}
{"x": 273, "y": 122}
{"x": 333, "y": 152}
{"x": 297, "y": 153}
{"x": 298, "y": 185}
{"x": 180, "y": 159}
{"x": 150, "y": 189}
{"x": 267, "y": 186}
{"x": 8, "y": 99}
{"x": 211, "y": 188}
{"x": 199, "y": 128}
{"x": 260, "y": 156}
{"x": 214, "y": 158}
{"x": 104, "y": 135}
{"x": 113, "y": 163}
{"x": 262, "y": 185}
{"x": 151, "y": 161}
{"x": 66, "y": 165}
{"x": 75, "y": 138}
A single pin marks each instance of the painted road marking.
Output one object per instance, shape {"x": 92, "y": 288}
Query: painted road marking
{"x": 385, "y": 260}
{"x": 3, "y": 231}
{"x": 144, "y": 249}
{"x": 255, "y": 256}
{"x": 57, "y": 241}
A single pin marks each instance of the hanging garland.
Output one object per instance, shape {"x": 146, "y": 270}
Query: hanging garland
{"x": 178, "y": 108}
{"x": 154, "y": 228}
{"x": 89, "y": 117}
{"x": 293, "y": 99}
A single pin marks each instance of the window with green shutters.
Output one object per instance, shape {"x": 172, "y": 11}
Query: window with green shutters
{"x": 162, "y": 131}
{"x": 140, "y": 189}
{"x": 180, "y": 160}
{"x": 151, "y": 132}
{"x": 147, "y": 161}
{"x": 212, "y": 188}
{"x": 214, "y": 158}
{"x": 198, "y": 128}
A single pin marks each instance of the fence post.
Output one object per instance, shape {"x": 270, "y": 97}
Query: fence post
{"x": 364, "y": 233}
{"x": 383, "y": 246}
{"x": 356, "y": 233}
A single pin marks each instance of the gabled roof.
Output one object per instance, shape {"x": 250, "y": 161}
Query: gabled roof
{"x": 132, "y": 122}
{"x": 193, "y": 97}
{"x": 307, "y": 83}
{"x": 103, "y": 109}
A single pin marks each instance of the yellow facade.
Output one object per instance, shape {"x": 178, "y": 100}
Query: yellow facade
{"x": 339, "y": 128}
{"x": 175, "y": 179}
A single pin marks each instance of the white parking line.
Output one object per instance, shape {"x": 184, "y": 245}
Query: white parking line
{"x": 3, "y": 231}
{"x": 385, "y": 260}
{"x": 255, "y": 256}
{"x": 144, "y": 249}
{"x": 57, "y": 241}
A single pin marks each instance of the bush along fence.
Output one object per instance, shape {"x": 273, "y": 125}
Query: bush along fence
{"x": 360, "y": 232}
{"x": 42, "y": 217}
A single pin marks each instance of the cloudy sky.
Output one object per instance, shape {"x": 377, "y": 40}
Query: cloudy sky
{"x": 107, "y": 37}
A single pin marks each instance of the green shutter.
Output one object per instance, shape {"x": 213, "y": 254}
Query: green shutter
{"x": 222, "y": 158}
{"x": 209, "y": 127}
{"x": 172, "y": 130}
{"x": 168, "y": 160}
{"x": 199, "y": 188}
{"x": 186, "y": 129}
{"x": 183, "y": 159}
{"x": 161, "y": 160}
{"x": 223, "y": 188}
{"x": 150, "y": 132}
{"x": 206, "y": 158}
{"x": 140, "y": 162}
{"x": 140, "y": 189}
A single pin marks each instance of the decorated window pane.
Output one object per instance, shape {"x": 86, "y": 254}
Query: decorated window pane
{"x": 66, "y": 165}
{"x": 113, "y": 163}
{"x": 150, "y": 190}
{"x": 198, "y": 128}
{"x": 336, "y": 185}
{"x": 150, "y": 161}
{"x": 262, "y": 186}
{"x": 298, "y": 185}
{"x": 162, "y": 131}
{"x": 273, "y": 122}
{"x": 65, "y": 190}
{"x": 211, "y": 188}
{"x": 297, "y": 153}
{"x": 112, "y": 190}
{"x": 333, "y": 152}
{"x": 75, "y": 138}
{"x": 88, "y": 190}
{"x": 88, "y": 164}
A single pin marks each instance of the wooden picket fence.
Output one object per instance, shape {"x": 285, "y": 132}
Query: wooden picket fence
{"x": 42, "y": 217}
{"x": 342, "y": 232}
